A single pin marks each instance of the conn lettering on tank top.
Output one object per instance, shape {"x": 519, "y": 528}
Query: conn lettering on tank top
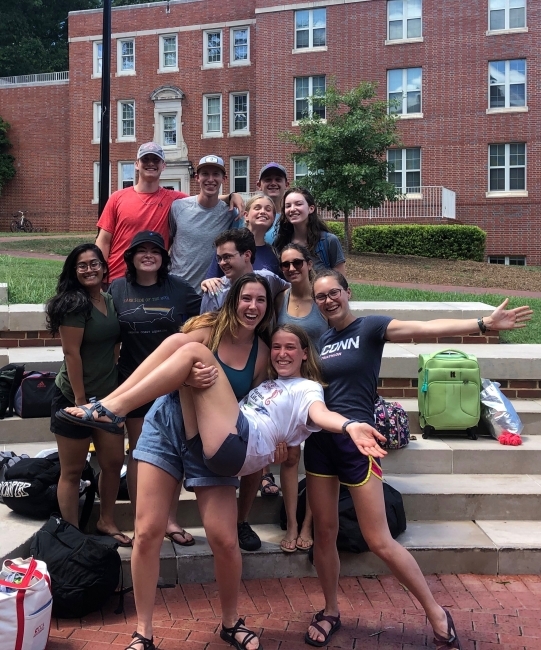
{"x": 347, "y": 344}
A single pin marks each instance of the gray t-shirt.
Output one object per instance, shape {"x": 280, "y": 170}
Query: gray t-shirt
{"x": 193, "y": 231}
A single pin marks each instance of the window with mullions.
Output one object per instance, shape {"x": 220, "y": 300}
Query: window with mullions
{"x": 126, "y": 174}
{"x": 240, "y": 45}
{"x": 126, "y": 56}
{"x": 405, "y": 169}
{"x": 98, "y": 58}
{"x": 96, "y": 130}
{"x": 307, "y": 91}
{"x": 126, "y": 121}
{"x": 310, "y": 28}
{"x": 507, "y": 260}
{"x": 507, "y": 81}
{"x": 404, "y": 19}
{"x": 212, "y": 55}
{"x": 239, "y": 113}
{"x": 169, "y": 52}
{"x": 239, "y": 172}
{"x": 507, "y": 167}
{"x": 404, "y": 90}
{"x": 169, "y": 135}
{"x": 300, "y": 169}
{"x": 212, "y": 124}
{"x": 506, "y": 14}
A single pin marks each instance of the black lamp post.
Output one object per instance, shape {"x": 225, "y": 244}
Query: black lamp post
{"x": 105, "y": 132}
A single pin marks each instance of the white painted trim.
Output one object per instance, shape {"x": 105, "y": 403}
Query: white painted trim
{"x": 307, "y": 5}
{"x": 409, "y": 116}
{"x": 510, "y": 109}
{"x": 304, "y": 50}
{"x": 499, "y": 32}
{"x": 507, "y": 195}
{"x": 402, "y": 41}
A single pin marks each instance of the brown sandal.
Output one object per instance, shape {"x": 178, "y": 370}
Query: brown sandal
{"x": 335, "y": 626}
{"x": 451, "y": 642}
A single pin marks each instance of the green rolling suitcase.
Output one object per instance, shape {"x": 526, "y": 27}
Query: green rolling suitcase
{"x": 449, "y": 392}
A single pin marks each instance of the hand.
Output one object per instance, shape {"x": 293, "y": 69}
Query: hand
{"x": 280, "y": 453}
{"x": 237, "y": 202}
{"x": 366, "y": 439}
{"x": 212, "y": 285}
{"x": 508, "y": 319}
{"x": 202, "y": 376}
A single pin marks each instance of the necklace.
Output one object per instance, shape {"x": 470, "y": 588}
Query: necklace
{"x": 153, "y": 197}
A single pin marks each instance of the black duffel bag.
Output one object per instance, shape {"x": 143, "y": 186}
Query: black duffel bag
{"x": 35, "y": 394}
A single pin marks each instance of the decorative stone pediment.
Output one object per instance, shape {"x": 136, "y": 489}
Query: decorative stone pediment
{"x": 166, "y": 93}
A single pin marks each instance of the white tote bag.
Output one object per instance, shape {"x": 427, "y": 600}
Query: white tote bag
{"x": 25, "y": 605}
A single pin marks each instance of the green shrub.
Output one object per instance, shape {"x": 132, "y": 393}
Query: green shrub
{"x": 445, "y": 242}
{"x": 337, "y": 228}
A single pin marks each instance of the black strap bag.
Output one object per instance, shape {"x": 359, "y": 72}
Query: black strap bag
{"x": 85, "y": 570}
{"x": 29, "y": 488}
{"x": 10, "y": 380}
{"x": 35, "y": 394}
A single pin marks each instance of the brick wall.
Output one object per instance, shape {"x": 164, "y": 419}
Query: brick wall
{"x": 512, "y": 388}
{"x": 13, "y": 339}
{"x": 453, "y": 135}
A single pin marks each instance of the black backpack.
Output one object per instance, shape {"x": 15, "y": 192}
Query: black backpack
{"x": 29, "y": 488}
{"x": 10, "y": 380}
{"x": 85, "y": 570}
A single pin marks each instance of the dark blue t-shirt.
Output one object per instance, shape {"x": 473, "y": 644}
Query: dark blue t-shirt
{"x": 264, "y": 259}
{"x": 351, "y": 360}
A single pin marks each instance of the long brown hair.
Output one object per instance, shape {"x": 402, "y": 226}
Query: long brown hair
{"x": 315, "y": 225}
{"x": 226, "y": 320}
{"x": 310, "y": 367}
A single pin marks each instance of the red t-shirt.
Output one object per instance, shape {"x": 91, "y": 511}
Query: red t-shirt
{"x": 128, "y": 212}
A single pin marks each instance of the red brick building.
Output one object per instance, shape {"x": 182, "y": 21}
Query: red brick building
{"x": 206, "y": 77}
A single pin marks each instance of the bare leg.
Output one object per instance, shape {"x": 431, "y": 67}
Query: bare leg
{"x": 72, "y": 454}
{"x": 370, "y": 508}
{"x": 218, "y": 508}
{"x": 305, "y": 539}
{"x": 133, "y": 426}
{"x": 323, "y": 497}
{"x": 249, "y": 485}
{"x": 289, "y": 480}
{"x": 156, "y": 489}
{"x": 110, "y": 454}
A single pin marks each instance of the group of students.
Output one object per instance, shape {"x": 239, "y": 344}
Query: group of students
{"x": 222, "y": 400}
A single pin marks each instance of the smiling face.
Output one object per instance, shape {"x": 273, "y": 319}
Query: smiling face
{"x": 89, "y": 270}
{"x": 233, "y": 263}
{"x": 287, "y": 354}
{"x": 210, "y": 179}
{"x": 260, "y": 215}
{"x": 147, "y": 258}
{"x": 332, "y": 299}
{"x": 149, "y": 167}
{"x": 273, "y": 184}
{"x": 296, "y": 208}
{"x": 252, "y": 305}
{"x": 295, "y": 268}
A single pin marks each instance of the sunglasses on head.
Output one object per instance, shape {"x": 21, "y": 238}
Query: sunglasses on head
{"x": 297, "y": 264}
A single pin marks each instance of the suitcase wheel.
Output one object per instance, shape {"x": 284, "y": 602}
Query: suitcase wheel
{"x": 428, "y": 431}
{"x": 472, "y": 433}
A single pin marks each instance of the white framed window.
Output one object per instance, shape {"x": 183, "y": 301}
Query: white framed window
{"x": 405, "y": 169}
{"x": 212, "y": 116}
{"x": 169, "y": 128}
{"x": 404, "y": 91}
{"x": 310, "y": 29}
{"x": 307, "y": 91}
{"x": 508, "y": 260}
{"x": 239, "y": 107}
{"x": 507, "y": 168}
{"x": 168, "y": 53}
{"x": 126, "y": 56}
{"x": 240, "y": 174}
{"x": 97, "y": 58}
{"x": 126, "y": 121}
{"x": 404, "y": 20}
{"x": 300, "y": 169}
{"x": 126, "y": 174}
{"x": 507, "y": 84}
{"x": 239, "y": 38}
{"x": 96, "y": 122}
{"x": 506, "y": 15}
{"x": 96, "y": 182}
{"x": 213, "y": 48}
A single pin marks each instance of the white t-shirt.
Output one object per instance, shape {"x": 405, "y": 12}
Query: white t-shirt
{"x": 277, "y": 411}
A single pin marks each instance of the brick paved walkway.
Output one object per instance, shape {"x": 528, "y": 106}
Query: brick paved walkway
{"x": 491, "y": 613}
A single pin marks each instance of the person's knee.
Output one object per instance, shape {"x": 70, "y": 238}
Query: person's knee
{"x": 326, "y": 532}
{"x": 223, "y": 543}
{"x": 380, "y": 543}
{"x": 149, "y": 535}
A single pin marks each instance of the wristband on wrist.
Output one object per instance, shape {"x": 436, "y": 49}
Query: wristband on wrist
{"x": 481, "y": 325}
{"x": 345, "y": 425}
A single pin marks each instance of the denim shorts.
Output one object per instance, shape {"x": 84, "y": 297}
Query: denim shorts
{"x": 163, "y": 443}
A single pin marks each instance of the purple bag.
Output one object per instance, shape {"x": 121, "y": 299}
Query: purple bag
{"x": 391, "y": 420}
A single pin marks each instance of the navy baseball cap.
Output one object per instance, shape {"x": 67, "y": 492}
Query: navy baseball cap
{"x": 273, "y": 165}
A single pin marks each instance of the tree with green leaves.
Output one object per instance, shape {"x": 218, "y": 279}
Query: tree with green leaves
{"x": 7, "y": 168}
{"x": 346, "y": 153}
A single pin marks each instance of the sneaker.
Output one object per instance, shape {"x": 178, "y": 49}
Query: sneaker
{"x": 248, "y": 538}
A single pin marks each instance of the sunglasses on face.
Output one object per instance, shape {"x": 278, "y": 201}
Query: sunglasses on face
{"x": 297, "y": 264}
{"x": 93, "y": 265}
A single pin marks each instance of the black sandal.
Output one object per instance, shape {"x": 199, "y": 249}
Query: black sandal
{"x": 266, "y": 490}
{"x": 335, "y": 626}
{"x": 451, "y": 642}
{"x": 228, "y": 635}
{"x": 148, "y": 644}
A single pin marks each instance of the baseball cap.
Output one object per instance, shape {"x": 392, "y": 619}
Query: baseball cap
{"x": 148, "y": 237}
{"x": 216, "y": 161}
{"x": 273, "y": 165}
{"x": 150, "y": 147}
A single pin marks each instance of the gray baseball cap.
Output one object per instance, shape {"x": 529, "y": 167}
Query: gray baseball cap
{"x": 213, "y": 160}
{"x": 150, "y": 148}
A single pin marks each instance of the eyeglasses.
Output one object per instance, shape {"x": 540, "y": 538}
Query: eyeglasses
{"x": 333, "y": 294}
{"x": 93, "y": 265}
{"x": 297, "y": 264}
{"x": 225, "y": 258}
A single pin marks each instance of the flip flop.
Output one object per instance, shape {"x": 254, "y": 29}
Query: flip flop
{"x": 119, "y": 538}
{"x": 335, "y": 626}
{"x": 305, "y": 545}
{"x": 88, "y": 420}
{"x": 451, "y": 642}
{"x": 182, "y": 533}
{"x": 287, "y": 549}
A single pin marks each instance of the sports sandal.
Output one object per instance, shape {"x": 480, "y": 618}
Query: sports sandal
{"x": 228, "y": 635}
{"x": 266, "y": 490}
{"x": 335, "y": 626}
{"x": 148, "y": 644}
{"x": 88, "y": 420}
{"x": 451, "y": 642}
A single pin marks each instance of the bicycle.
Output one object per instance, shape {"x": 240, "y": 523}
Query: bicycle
{"x": 21, "y": 224}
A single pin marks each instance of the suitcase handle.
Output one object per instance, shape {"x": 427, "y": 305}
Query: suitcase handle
{"x": 462, "y": 354}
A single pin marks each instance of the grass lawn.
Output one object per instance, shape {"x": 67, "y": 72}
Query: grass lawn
{"x": 30, "y": 281}
{"x": 48, "y": 245}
